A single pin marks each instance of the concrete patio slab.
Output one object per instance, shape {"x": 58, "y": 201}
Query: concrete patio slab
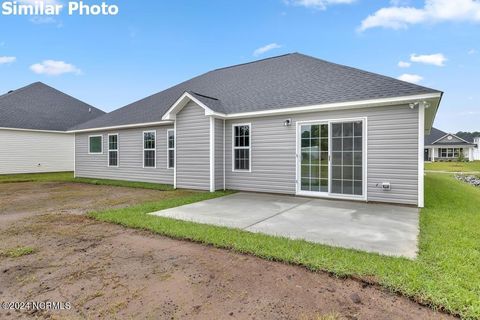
{"x": 381, "y": 228}
{"x": 385, "y": 229}
{"x": 239, "y": 210}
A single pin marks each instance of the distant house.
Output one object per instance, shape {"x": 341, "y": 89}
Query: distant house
{"x": 291, "y": 124}
{"x": 442, "y": 146}
{"x": 33, "y": 124}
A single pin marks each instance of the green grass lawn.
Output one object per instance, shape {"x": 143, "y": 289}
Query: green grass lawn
{"x": 445, "y": 275}
{"x": 68, "y": 177}
{"x": 453, "y": 166}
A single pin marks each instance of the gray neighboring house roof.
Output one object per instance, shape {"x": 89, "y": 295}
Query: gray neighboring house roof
{"x": 41, "y": 107}
{"x": 436, "y": 134}
{"x": 286, "y": 81}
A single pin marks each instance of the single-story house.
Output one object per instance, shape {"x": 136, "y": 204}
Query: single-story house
{"x": 291, "y": 124}
{"x": 442, "y": 146}
{"x": 33, "y": 129}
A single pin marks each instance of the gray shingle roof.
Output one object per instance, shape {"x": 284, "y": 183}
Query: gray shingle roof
{"x": 290, "y": 80}
{"x": 41, "y": 107}
{"x": 436, "y": 134}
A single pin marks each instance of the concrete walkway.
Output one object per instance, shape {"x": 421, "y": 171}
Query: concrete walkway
{"x": 385, "y": 229}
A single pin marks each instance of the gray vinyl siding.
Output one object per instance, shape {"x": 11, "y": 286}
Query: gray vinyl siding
{"x": 219, "y": 154}
{"x": 193, "y": 148}
{"x": 392, "y": 149}
{"x": 130, "y": 143}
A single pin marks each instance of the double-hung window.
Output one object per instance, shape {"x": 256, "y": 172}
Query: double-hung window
{"x": 171, "y": 148}
{"x": 113, "y": 150}
{"x": 95, "y": 144}
{"x": 242, "y": 147}
{"x": 149, "y": 153}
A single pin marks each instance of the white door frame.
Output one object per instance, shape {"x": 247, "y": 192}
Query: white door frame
{"x": 328, "y": 194}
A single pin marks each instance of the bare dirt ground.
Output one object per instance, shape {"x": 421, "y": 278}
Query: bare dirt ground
{"x": 106, "y": 271}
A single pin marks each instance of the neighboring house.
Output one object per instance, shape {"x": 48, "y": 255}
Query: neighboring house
{"x": 442, "y": 146}
{"x": 33, "y": 124}
{"x": 291, "y": 124}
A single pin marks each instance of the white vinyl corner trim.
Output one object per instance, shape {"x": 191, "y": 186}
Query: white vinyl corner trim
{"x": 421, "y": 137}
{"x": 212, "y": 154}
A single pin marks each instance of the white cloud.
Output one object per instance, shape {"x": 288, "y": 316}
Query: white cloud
{"x": 6, "y": 59}
{"x": 413, "y": 78}
{"x": 317, "y": 4}
{"x": 437, "y": 59}
{"x": 404, "y": 64}
{"x": 265, "y": 49}
{"x": 472, "y": 51}
{"x": 401, "y": 17}
{"x": 54, "y": 68}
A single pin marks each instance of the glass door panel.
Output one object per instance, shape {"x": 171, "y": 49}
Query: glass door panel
{"x": 347, "y": 158}
{"x": 314, "y": 157}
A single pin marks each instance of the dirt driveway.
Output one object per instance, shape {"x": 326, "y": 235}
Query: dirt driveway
{"x": 107, "y": 271}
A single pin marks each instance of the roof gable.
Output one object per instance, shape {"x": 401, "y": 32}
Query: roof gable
{"x": 212, "y": 106}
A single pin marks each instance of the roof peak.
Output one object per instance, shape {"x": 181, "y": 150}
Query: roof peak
{"x": 255, "y": 61}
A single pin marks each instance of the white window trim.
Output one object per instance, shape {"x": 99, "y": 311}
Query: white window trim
{"x": 101, "y": 143}
{"x": 249, "y": 147}
{"x": 117, "y": 150}
{"x": 170, "y": 149}
{"x": 154, "y": 149}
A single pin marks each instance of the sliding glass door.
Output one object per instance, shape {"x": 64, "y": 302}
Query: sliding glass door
{"x": 331, "y": 158}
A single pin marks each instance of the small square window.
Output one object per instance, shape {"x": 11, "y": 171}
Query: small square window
{"x": 95, "y": 144}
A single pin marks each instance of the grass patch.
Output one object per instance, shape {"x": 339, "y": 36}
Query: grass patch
{"x": 68, "y": 177}
{"x": 36, "y": 177}
{"x": 471, "y": 166}
{"x": 17, "y": 252}
{"x": 445, "y": 274}
{"x": 123, "y": 183}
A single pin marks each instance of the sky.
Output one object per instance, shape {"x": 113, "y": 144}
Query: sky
{"x": 111, "y": 61}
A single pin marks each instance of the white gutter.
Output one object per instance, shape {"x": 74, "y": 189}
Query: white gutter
{"x": 301, "y": 109}
{"x": 339, "y": 105}
{"x": 34, "y": 130}
{"x": 125, "y": 126}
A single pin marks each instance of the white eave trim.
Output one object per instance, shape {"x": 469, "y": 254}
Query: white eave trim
{"x": 169, "y": 116}
{"x": 182, "y": 102}
{"x": 446, "y": 146}
{"x": 35, "y": 130}
{"x": 340, "y": 105}
{"x": 125, "y": 126}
